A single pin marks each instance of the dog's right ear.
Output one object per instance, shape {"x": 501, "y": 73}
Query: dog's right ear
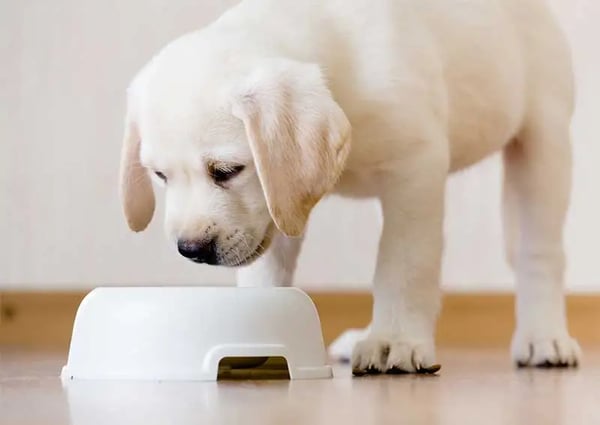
{"x": 137, "y": 196}
{"x": 298, "y": 134}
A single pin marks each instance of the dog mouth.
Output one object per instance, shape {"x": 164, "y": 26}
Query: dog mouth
{"x": 249, "y": 259}
{"x": 252, "y": 256}
{"x": 234, "y": 262}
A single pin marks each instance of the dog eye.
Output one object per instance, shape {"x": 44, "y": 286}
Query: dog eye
{"x": 222, "y": 174}
{"x": 161, "y": 176}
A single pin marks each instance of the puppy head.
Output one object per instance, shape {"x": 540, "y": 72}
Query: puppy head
{"x": 238, "y": 151}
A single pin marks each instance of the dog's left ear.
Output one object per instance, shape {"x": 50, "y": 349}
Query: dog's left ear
{"x": 135, "y": 188}
{"x": 299, "y": 137}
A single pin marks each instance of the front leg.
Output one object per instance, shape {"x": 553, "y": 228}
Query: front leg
{"x": 275, "y": 267}
{"x": 406, "y": 290}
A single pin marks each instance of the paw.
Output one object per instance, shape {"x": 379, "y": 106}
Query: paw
{"x": 555, "y": 351}
{"x": 383, "y": 354}
{"x": 341, "y": 348}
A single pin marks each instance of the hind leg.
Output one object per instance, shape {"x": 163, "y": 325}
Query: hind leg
{"x": 537, "y": 189}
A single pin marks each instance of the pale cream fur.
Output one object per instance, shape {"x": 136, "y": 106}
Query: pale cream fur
{"x": 365, "y": 98}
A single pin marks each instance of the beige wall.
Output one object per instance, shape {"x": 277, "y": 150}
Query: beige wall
{"x": 65, "y": 65}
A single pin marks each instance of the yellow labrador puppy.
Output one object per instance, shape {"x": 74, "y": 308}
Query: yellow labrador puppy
{"x": 249, "y": 122}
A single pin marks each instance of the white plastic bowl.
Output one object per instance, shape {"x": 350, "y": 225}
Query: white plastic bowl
{"x": 183, "y": 333}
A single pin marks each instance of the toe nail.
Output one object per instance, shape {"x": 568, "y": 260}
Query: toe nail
{"x": 396, "y": 371}
{"x": 430, "y": 370}
{"x": 373, "y": 370}
{"x": 358, "y": 372}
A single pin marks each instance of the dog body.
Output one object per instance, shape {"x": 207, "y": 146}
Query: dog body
{"x": 278, "y": 103}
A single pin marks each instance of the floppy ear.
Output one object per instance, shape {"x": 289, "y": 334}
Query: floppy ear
{"x": 137, "y": 196}
{"x": 298, "y": 135}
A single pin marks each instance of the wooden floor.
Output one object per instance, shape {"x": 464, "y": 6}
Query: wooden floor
{"x": 474, "y": 387}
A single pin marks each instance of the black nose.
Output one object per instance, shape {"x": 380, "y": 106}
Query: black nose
{"x": 199, "y": 251}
